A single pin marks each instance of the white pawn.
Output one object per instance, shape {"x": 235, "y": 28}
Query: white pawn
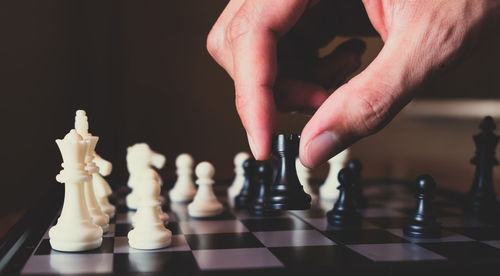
{"x": 304, "y": 173}
{"x": 239, "y": 179}
{"x": 328, "y": 190}
{"x": 101, "y": 186}
{"x": 205, "y": 203}
{"x": 98, "y": 216}
{"x": 150, "y": 231}
{"x": 75, "y": 230}
{"x": 162, "y": 215}
{"x": 184, "y": 189}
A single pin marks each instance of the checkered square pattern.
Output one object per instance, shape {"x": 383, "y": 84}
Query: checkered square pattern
{"x": 294, "y": 241}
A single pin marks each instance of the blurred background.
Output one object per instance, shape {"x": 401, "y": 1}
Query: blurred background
{"x": 142, "y": 72}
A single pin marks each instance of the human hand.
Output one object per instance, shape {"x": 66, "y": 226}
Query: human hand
{"x": 421, "y": 38}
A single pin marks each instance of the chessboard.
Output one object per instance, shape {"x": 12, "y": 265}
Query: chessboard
{"x": 292, "y": 243}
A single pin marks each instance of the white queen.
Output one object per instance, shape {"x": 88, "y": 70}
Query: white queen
{"x": 75, "y": 230}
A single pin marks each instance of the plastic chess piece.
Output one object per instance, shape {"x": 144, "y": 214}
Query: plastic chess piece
{"x": 98, "y": 216}
{"x": 481, "y": 199}
{"x": 286, "y": 192}
{"x": 329, "y": 191}
{"x": 264, "y": 179}
{"x": 344, "y": 213}
{"x": 359, "y": 199}
{"x": 184, "y": 189}
{"x": 149, "y": 231}
{"x": 140, "y": 157}
{"x": 239, "y": 178}
{"x": 101, "y": 186}
{"x": 75, "y": 230}
{"x": 205, "y": 203}
{"x": 243, "y": 199}
{"x": 304, "y": 173}
{"x": 422, "y": 223}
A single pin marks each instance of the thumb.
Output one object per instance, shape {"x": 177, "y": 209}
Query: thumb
{"x": 359, "y": 108}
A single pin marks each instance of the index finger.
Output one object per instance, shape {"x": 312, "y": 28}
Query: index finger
{"x": 253, "y": 34}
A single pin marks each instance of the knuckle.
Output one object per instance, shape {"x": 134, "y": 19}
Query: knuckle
{"x": 372, "y": 112}
{"x": 213, "y": 42}
{"x": 237, "y": 28}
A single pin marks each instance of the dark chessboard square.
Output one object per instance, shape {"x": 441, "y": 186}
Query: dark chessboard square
{"x": 45, "y": 249}
{"x": 313, "y": 257}
{"x": 225, "y": 215}
{"x": 275, "y": 224}
{"x": 385, "y": 222}
{"x": 313, "y": 212}
{"x": 363, "y": 236}
{"x": 465, "y": 251}
{"x": 168, "y": 263}
{"x": 223, "y": 241}
{"x": 479, "y": 233}
{"x": 121, "y": 230}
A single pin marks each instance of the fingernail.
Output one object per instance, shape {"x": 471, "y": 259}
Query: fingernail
{"x": 321, "y": 148}
{"x": 253, "y": 147}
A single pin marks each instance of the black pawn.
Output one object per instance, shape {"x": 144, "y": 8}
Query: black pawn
{"x": 243, "y": 199}
{"x": 481, "y": 199}
{"x": 359, "y": 199}
{"x": 286, "y": 192}
{"x": 423, "y": 223}
{"x": 344, "y": 212}
{"x": 259, "y": 205}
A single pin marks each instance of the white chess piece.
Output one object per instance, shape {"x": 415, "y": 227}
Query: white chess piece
{"x": 140, "y": 157}
{"x": 101, "y": 186}
{"x": 205, "y": 203}
{"x": 98, "y": 216}
{"x": 304, "y": 173}
{"x": 149, "y": 231}
{"x": 239, "y": 178}
{"x": 184, "y": 189}
{"x": 329, "y": 191}
{"x": 75, "y": 230}
{"x": 162, "y": 215}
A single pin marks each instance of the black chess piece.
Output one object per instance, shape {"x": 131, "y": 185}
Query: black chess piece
{"x": 359, "y": 199}
{"x": 344, "y": 213}
{"x": 243, "y": 199}
{"x": 264, "y": 178}
{"x": 286, "y": 192}
{"x": 422, "y": 223}
{"x": 481, "y": 199}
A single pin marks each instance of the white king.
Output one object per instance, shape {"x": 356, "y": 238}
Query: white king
{"x": 75, "y": 230}
{"x": 98, "y": 216}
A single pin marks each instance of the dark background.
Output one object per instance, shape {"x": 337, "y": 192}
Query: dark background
{"x": 141, "y": 71}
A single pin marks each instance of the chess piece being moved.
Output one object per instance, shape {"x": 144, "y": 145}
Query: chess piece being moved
{"x": 75, "y": 230}
{"x": 140, "y": 157}
{"x": 205, "y": 203}
{"x": 360, "y": 200}
{"x": 101, "y": 186}
{"x": 184, "y": 189}
{"x": 149, "y": 231}
{"x": 344, "y": 213}
{"x": 422, "y": 223}
{"x": 239, "y": 178}
{"x": 286, "y": 192}
{"x": 243, "y": 199}
{"x": 304, "y": 173}
{"x": 482, "y": 200}
{"x": 98, "y": 216}
{"x": 328, "y": 191}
